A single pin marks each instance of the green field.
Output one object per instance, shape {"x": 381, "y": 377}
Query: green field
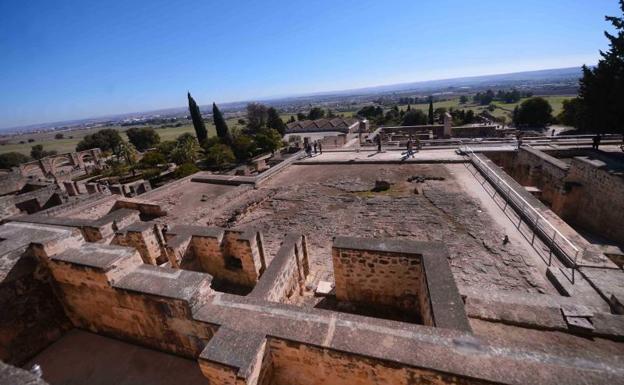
{"x": 504, "y": 109}
{"x": 72, "y": 138}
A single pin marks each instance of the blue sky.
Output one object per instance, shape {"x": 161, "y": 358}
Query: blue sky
{"x": 75, "y": 59}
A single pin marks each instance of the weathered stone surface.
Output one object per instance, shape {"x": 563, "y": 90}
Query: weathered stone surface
{"x": 538, "y": 317}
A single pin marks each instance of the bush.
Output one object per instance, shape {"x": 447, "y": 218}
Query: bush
{"x": 185, "y": 169}
{"x": 107, "y": 140}
{"x": 152, "y": 159}
{"x": 243, "y": 147}
{"x": 37, "y": 152}
{"x": 12, "y": 159}
{"x": 219, "y": 155}
{"x": 143, "y": 138}
{"x": 150, "y": 173}
{"x": 59, "y": 136}
{"x": 533, "y": 112}
{"x": 414, "y": 118}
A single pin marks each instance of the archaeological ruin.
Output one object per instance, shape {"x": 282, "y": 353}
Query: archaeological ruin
{"x": 471, "y": 263}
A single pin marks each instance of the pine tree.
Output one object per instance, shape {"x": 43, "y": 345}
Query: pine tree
{"x": 198, "y": 121}
{"x": 223, "y": 132}
{"x": 601, "y": 89}
{"x": 430, "y": 116}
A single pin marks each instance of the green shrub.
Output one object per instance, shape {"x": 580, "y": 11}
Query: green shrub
{"x": 185, "y": 169}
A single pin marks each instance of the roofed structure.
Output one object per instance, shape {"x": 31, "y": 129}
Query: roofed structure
{"x": 344, "y": 125}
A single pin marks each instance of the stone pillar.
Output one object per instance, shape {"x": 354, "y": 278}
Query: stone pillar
{"x": 448, "y": 122}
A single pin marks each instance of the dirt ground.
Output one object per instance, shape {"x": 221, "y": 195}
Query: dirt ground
{"x": 327, "y": 201}
{"x": 187, "y": 203}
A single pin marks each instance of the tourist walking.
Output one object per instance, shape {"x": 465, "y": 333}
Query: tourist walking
{"x": 418, "y": 144}
{"x": 315, "y": 147}
{"x": 596, "y": 141}
{"x": 378, "y": 139}
{"x": 320, "y": 147}
{"x": 410, "y": 148}
{"x": 308, "y": 149}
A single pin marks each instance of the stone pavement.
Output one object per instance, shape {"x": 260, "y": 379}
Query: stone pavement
{"x": 386, "y": 156}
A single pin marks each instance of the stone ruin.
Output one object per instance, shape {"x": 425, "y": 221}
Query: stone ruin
{"x": 245, "y": 312}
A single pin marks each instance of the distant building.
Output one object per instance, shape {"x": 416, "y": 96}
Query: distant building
{"x": 344, "y": 125}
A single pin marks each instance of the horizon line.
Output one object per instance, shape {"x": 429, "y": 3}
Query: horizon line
{"x": 294, "y": 95}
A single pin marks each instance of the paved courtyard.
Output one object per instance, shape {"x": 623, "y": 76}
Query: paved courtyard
{"x": 424, "y": 202}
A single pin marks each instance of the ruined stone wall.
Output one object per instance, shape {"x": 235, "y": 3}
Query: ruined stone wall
{"x": 94, "y": 301}
{"x": 286, "y": 275}
{"x": 31, "y": 317}
{"x": 378, "y": 278}
{"x": 142, "y": 236}
{"x": 598, "y": 205}
{"x": 236, "y": 259}
{"x": 143, "y": 206}
{"x": 582, "y": 192}
{"x": 530, "y": 167}
{"x": 298, "y": 364}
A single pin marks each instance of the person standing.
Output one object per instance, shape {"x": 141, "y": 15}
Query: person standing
{"x": 378, "y": 142}
{"x": 315, "y": 147}
{"x": 410, "y": 148}
{"x": 418, "y": 144}
{"x": 320, "y": 147}
{"x": 598, "y": 139}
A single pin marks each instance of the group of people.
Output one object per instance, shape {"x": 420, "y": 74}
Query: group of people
{"x": 317, "y": 146}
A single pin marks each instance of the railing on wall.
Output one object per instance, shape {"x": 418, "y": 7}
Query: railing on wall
{"x": 556, "y": 242}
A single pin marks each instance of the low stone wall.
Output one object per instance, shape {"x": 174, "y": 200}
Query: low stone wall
{"x": 145, "y": 207}
{"x": 97, "y": 230}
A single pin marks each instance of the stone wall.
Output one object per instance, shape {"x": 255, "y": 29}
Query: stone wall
{"x": 108, "y": 290}
{"x": 597, "y": 199}
{"x": 410, "y": 276}
{"x": 377, "y": 278}
{"x": 583, "y": 191}
{"x": 286, "y": 275}
{"x": 146, "y": 238}
{"x": 31, "y": 317}
{"x": 295, "y": 363}
{"x": 230, "y": 255}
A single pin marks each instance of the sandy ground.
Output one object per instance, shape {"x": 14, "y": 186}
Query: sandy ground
{"x": 327, "y": 201}
{"x": 187, "y": 203}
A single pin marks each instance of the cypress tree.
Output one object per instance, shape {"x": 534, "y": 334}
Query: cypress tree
{"x": 431, "y": 111}
{"x": 198, "y": 121}
{"x": 223, "y": 132}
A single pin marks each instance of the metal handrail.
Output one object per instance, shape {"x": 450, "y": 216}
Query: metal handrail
{"x": 523, "y": 206}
